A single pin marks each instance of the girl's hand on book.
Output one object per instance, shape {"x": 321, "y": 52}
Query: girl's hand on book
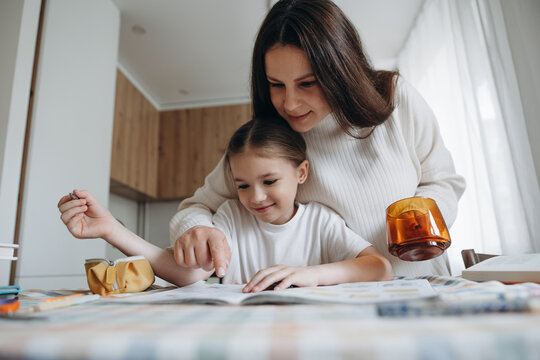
{"x": 85, "y": 217}
{"x": 284, "y": 275}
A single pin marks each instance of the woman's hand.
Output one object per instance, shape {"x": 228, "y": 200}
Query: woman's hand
{"x": 203, "y": 247}
{"x": 85, "y": 217}
{"x": 285, "y": 276}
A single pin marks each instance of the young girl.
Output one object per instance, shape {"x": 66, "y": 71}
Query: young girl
{"x": 371, "y": 138}
{"x": 264, "y": 227}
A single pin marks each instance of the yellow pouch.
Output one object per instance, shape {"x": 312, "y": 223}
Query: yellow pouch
{"x": 126, "y": 275}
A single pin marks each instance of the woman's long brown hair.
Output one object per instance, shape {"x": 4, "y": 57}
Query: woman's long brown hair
{"x": 359, "y": 96}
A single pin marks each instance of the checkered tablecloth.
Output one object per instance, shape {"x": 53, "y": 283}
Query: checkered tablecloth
{"x": 118, "y": 331}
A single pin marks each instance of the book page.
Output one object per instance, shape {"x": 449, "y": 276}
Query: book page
{"x": 350, "y": 293}
{"x": 199, "y": 292}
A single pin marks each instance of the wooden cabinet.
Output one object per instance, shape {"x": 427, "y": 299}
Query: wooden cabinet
{"x": 134, "y": 160}
{"x": 166, "y": 155}
{"x": 191, "y": 142}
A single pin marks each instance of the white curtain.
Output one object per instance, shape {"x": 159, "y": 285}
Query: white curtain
{"x": 458, "y": 57}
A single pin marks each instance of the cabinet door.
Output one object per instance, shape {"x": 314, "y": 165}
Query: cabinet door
{"x": 134, "y": 160}
{"x": 191, "y": 142}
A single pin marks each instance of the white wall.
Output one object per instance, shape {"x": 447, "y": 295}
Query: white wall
{"x": 18, "y": 29}
{"x": 522, "y": 18}
{"x": 70, "y": 140}
{"x": 156, "y": 218}
{"x": 126, "y": 211}
{"x": 159, "y": 214}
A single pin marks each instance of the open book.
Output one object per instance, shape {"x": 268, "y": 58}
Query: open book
{"x": 506, "y": 268}
{"x": 350, "y": 293}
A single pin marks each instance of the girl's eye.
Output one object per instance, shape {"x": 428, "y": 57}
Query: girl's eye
{"x": 243, "y": 186}
{"x": 276, "y": 85}
{"x": 308, "y": 83}
{"x": 269, "y": 182}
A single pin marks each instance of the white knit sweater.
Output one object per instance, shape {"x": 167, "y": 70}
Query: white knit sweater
{"x": 403, "y": 157}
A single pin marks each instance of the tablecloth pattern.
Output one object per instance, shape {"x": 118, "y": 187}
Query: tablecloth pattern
{"x": 117, "y": 331}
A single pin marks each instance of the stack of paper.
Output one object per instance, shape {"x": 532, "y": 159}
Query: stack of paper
{"x": 7, "y": 251}
{"x": 507, "y": 269}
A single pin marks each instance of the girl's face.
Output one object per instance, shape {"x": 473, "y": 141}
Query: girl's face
{"x": 294, "y": 90}
{"x": 267, "y": 185}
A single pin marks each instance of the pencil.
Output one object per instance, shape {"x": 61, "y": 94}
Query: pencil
{"x": 65, "y": 297}
{"x": 61, "y": 303}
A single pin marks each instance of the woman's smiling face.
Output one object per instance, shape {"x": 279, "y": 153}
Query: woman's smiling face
{"x": 294, "y": 90}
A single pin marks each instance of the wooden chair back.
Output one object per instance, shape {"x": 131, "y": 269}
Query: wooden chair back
{"x": 471, "y": 257}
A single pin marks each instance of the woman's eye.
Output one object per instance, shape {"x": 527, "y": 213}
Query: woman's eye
{"x": 276, "y": 85}
{"x": 242, "y": 187}
{"x": 308, "y": 83}
{"x": 269, "y": 182}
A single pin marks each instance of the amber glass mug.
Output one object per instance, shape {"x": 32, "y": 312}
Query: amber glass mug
{"x": 415, "y": 229}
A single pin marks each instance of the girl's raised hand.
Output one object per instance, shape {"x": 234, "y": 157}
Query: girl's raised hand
{"x": 85, "y": 217}
{"x": 282, "y": 276}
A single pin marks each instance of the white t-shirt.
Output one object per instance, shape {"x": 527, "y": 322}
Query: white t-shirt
{"x": 315, "y": 235}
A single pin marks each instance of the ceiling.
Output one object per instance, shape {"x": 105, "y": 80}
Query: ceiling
{"x": 193, "y": 53}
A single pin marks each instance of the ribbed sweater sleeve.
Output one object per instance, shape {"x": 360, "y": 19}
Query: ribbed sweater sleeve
{"x": 438, "y": 178}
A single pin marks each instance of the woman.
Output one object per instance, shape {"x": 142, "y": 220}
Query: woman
{"x": 371, "y": 137}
